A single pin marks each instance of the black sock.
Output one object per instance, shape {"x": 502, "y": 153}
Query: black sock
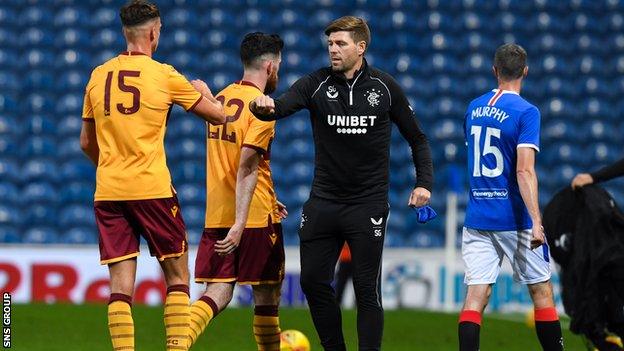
{"x": 548, "y": 329}
{"x": 469, "y": 328}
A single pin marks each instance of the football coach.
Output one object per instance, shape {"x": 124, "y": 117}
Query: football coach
{"x": 352, "y": 107}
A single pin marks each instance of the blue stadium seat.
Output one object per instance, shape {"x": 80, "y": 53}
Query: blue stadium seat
{"x": 591, "y": 45}
{"x": 42, "y": 192}
{"x": 448, "y": 129}
{"x": 194, "y": 216}
{"x": 37, "y": 37}
{"x": 214, "y": 17}
{"x": 297, "y": 173}
{"x": 104, "y": 55}
{"x": 221, "y": 60}
{"x": 40, "y": 124}
{"x": 40, "y": 235}
{"x": 80, "y": 215}
{"x": 559, "y": 129}
{"x": 590, "y": 65}
{"x": 565, "y": 172}
{"x": 80, "y": 170}
{"x": 10, "y": 215}
{"x": 107, "y": 38}
{"x": 555, "y": 86}
{"x": 300, "y": 194}
{"x": 601, "y": 130}
{"x": 179, "y": 17}
{"x": 297, "y": 40}
{"x": 400, "y": 154}
{"x": 184, "y": 59}
{"x": 39, "y": 169}
{"x": 39, "y": 80}
{"x": 8, "y": 80}
{"x": 602, "y": 153}
{"x": 105, "y": 17}
{"x": 70, "y": 104}
{"x": 187, "y": 149}
{"x": 36, "y": 59}
{"x": 72, "y": 37}
{"x": 39, "y": 103}
{"x": 74, "y": 59}
{"x": 8, "y": 145}
{"x": 69, "y": 127}
{"x": 9, "y": 235}
{"x": 40, "y": 214}
{"x": 70, "y": 148}
{"x": 560, "y": 109}
{"x": 9, "y": 193}
{"x": 192, "y": 194}
{"x": 32, "y": 16}
{"x": 80, "y": 235}
{"x": 596, "y": 108}
{"x": 9, "y": 170}
{"x": 71, "y": 16}
{"x": 616, "y": 42}
{"x": 563, "y": 153}
{"x": 299, "y": 149}
{"x": 182, "y": 38}
{"x": 188, "y": 171}
{"x": 72, "y": 81}
{"x": 77, "y": 192}
{"x": 39, "y": 147}
{"x": 585, "y": 22}
{"x": 182, "y": 124}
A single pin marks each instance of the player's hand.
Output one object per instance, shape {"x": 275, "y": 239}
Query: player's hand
{"x": 581, "y": 180}
{"x": 263, "y": 105}
{"x": 281, "y": 210}
{"x": 201, "y": 87}
{"x": 538, "y": 237}
{"x": 419, "y": 197}
{"x": 230, "y": 242}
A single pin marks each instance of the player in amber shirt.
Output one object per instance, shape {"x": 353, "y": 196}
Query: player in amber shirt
{"x": 242, "y": 241}
{"x": 126, "y": 106}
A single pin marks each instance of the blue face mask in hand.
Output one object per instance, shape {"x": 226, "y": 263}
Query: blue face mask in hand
{"x": 425, "y": 214}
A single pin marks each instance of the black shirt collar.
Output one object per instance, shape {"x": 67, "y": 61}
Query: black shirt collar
{"x": 341, "y": 77}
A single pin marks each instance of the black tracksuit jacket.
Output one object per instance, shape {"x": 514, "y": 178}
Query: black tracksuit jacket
{"x": 351, "y": 124}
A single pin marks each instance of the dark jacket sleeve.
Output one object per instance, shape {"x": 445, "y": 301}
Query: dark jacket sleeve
{"x": 291, "y": 101}
{"x": 609, "y": 172}
{"x": 402, "y": 115}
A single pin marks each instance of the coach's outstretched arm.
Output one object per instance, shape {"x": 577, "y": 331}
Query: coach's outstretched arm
{"x": 294, "y": 99}
{"x": 402, "y": 115}
{"x": 527, "y": 182}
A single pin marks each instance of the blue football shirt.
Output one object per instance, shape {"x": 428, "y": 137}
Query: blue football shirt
{"x": 496, "y": 125}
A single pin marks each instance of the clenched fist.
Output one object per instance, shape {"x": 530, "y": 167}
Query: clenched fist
{"x": 263, "y": 105}
{"x": 419, "y": 197}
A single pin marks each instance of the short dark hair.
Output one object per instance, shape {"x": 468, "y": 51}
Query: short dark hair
{"x": 256, "y": 44}
{"x": 137, "y": 12}
{"x": 357, "y": 26}
{"x": 510, "y": 61}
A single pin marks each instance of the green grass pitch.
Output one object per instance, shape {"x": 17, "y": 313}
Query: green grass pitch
{"x": 83, "y": 327}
